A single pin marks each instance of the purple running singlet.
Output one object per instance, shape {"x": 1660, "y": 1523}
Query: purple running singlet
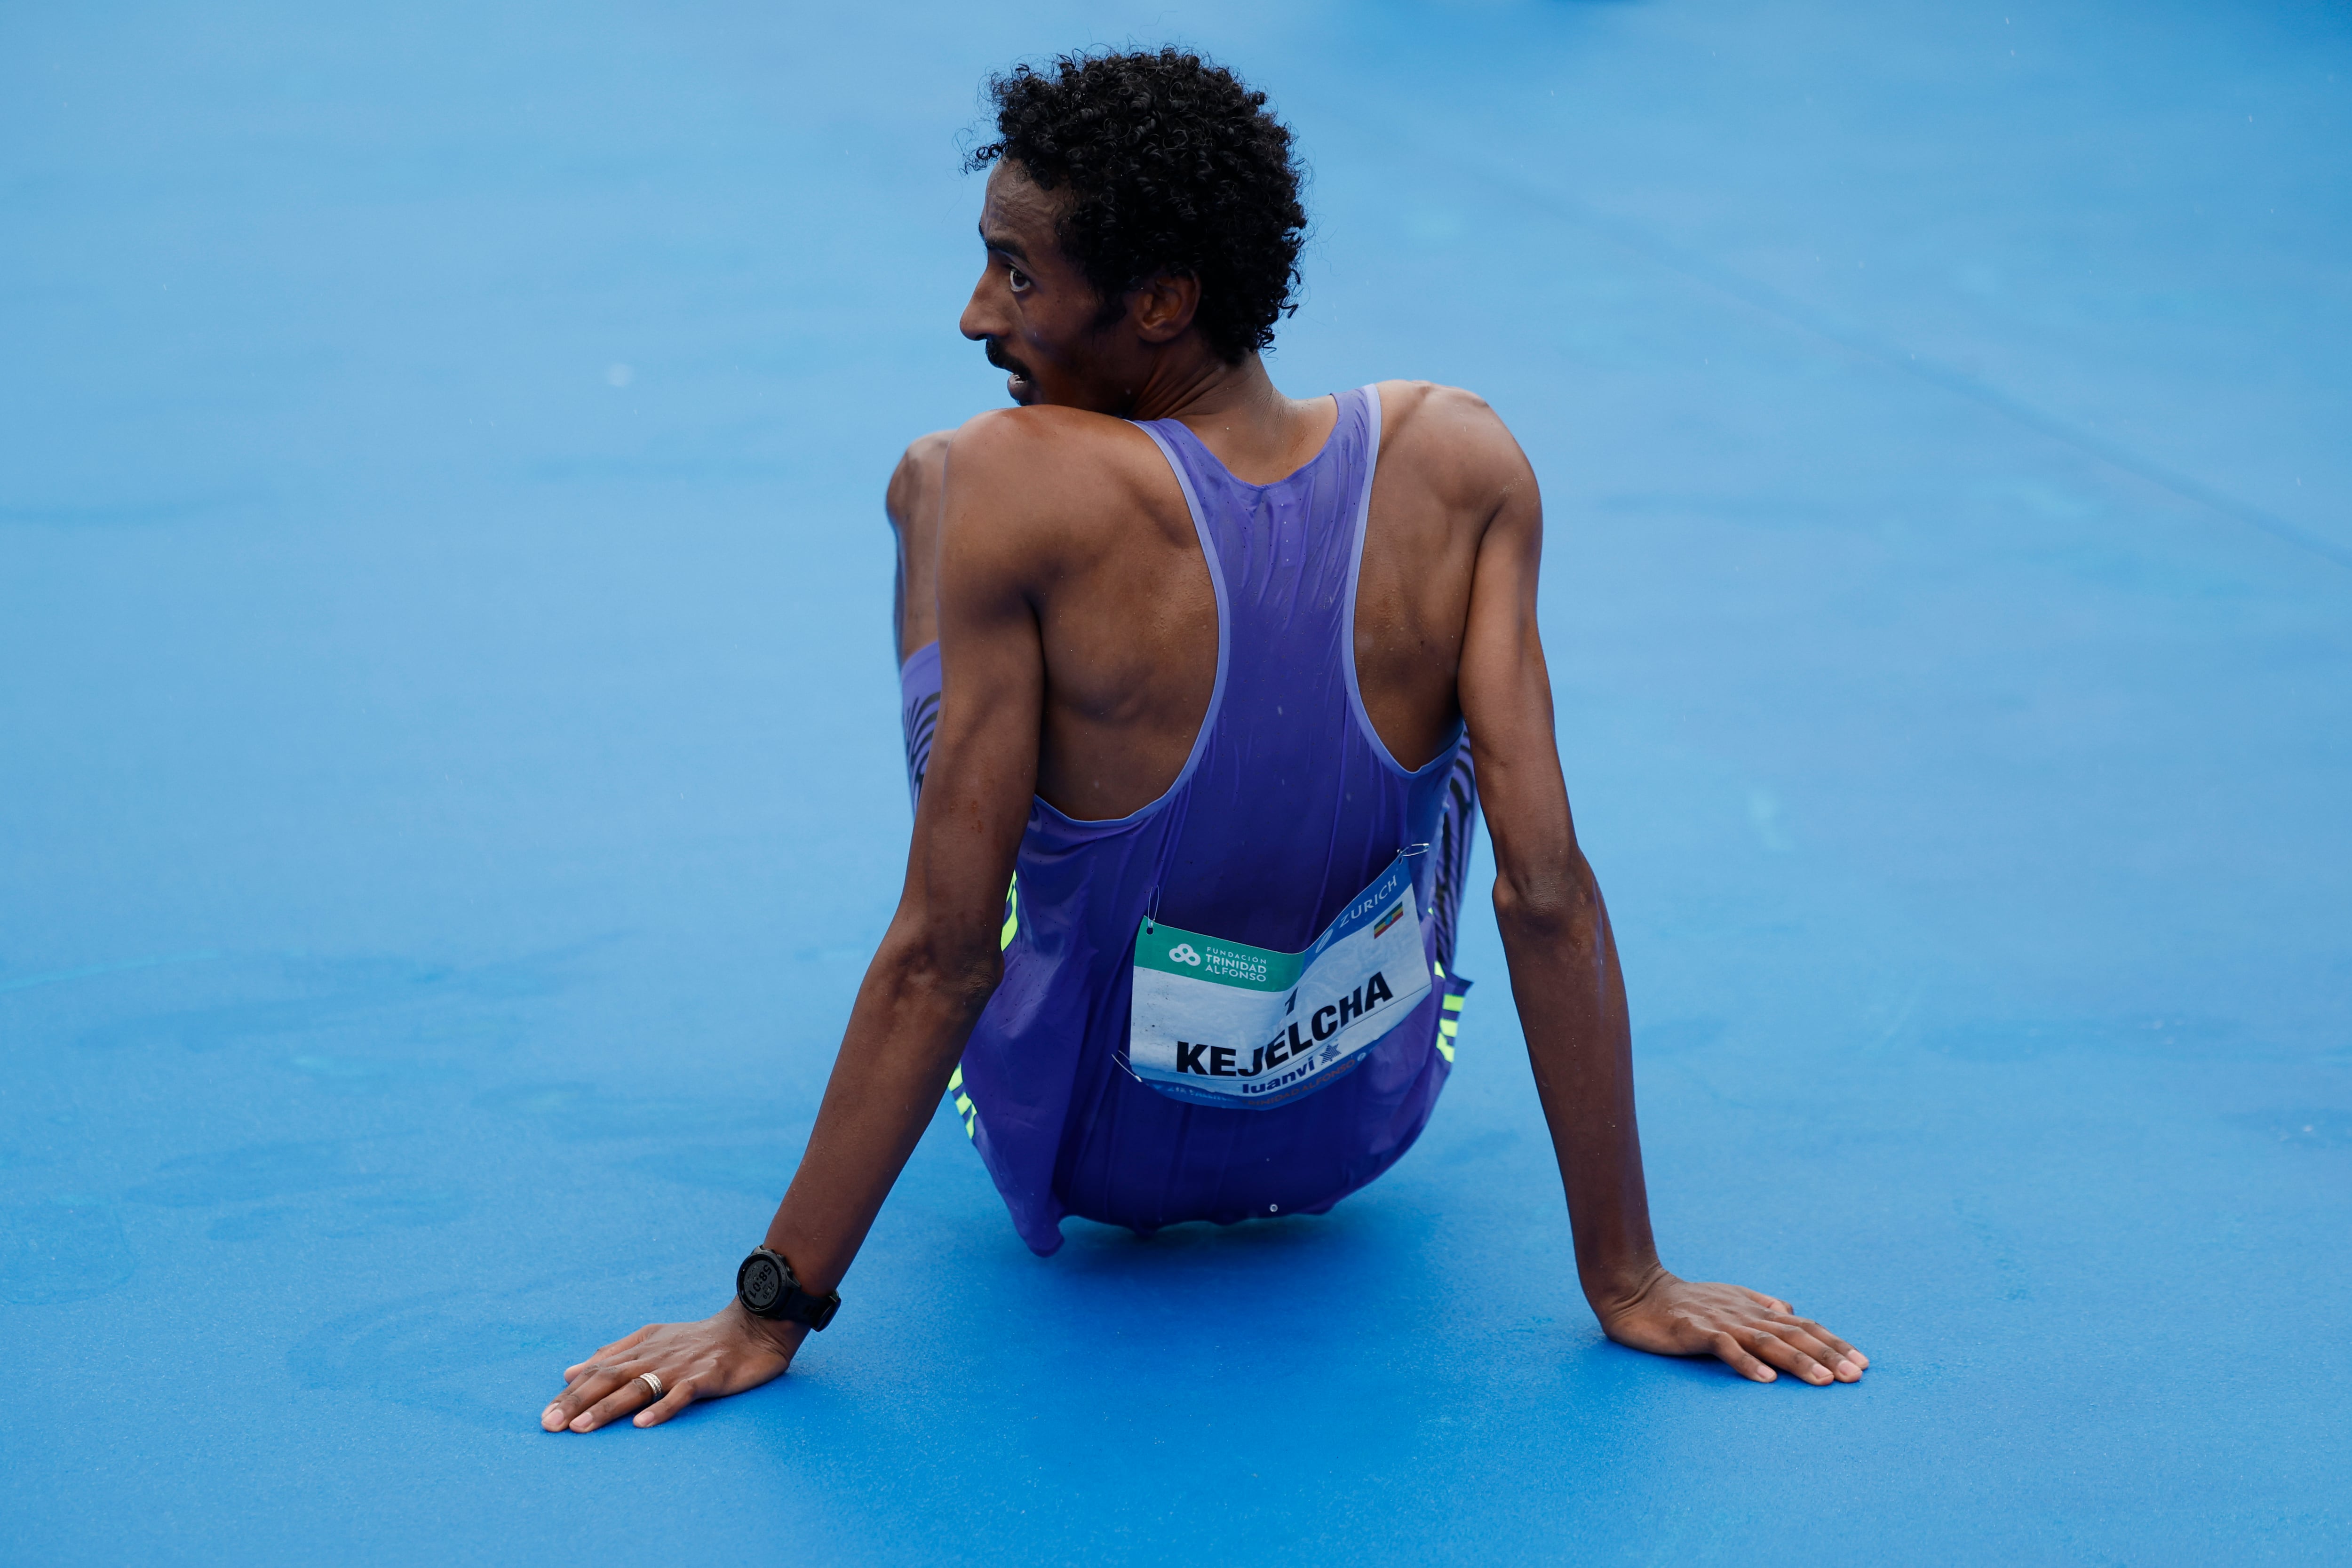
{"x": 1288, "y": 805}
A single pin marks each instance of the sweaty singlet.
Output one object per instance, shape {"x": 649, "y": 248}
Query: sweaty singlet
{"x": 1288, "y": 805}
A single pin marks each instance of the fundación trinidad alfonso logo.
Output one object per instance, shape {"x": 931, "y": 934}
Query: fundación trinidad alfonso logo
{"x": 1183, "y": 953}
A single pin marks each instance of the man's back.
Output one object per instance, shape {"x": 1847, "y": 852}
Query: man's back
{"x": 1107, "y": 1079}
{"x": 1084, "y": 515}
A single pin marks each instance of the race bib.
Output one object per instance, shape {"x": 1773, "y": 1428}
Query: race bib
{"x": 1223, "y": 1023}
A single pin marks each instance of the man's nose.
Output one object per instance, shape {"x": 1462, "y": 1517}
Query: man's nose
{"x": 982, "y": 317}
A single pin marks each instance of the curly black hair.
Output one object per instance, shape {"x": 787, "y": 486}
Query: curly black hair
{"x": 1176, "y": 167}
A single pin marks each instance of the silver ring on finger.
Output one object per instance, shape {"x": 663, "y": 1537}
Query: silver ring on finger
{"x": 653, "y": 1383}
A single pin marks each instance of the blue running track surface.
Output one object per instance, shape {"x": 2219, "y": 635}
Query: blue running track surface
{"x": 449, "y": 785}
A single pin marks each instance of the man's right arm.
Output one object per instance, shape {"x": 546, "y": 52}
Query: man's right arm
{"x": 1563, "y": 964}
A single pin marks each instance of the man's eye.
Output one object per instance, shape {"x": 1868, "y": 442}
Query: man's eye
{"x": 1019, "y": 279}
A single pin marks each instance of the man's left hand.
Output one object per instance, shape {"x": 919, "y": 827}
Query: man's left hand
{"x": 725, "y": 1353}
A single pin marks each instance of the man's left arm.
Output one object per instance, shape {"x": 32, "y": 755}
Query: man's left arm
{"x": 924, "y": 991}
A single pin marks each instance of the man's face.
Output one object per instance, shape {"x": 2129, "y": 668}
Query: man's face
{"x": 1034, "y": 312}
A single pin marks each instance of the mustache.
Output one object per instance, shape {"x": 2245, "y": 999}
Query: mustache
{"x": 994, "y": 351}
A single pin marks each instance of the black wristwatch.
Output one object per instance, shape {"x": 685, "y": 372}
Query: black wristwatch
{"x": 768, "y": 1289}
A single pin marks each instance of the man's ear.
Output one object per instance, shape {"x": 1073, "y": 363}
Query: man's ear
{"x": 1163, "y": 307}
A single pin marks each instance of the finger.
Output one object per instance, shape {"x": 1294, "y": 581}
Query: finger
{"x": 1839, "y": 1349}
{"x": 1773, "y": 1348}
{"x": 667, "y": 1405}
{"x": 631, "y": 1395}
{"x": 617, "y": 1350}
{"x": 1728, "y": 1351}
{"x": 568, "y": 1404}
{"x": 1840, "y": 1366}
{"x": 1774, "y": 1302}
{"x": 595, "y": 1380}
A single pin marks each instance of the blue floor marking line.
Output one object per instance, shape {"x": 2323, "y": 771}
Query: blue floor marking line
{"x": 1749, "y": 292}
{"x": 1852, "y": 338}
{"x": 90, "y": 970}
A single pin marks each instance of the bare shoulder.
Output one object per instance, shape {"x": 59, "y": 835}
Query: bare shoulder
{"x": 1453, "y": 441}
{"x": 913, "y": 495}
{"x": 1026, "y": 433}
{"x": 1047, "y": 469}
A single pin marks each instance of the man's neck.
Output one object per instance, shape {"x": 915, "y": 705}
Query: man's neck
{"x": 1197, "y": 384}
{"x": 1238, "y": 413}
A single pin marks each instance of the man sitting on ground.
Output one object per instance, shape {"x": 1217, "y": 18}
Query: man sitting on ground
{"x": 1211, "y": 668}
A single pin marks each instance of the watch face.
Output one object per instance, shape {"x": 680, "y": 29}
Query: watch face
{"x": 762, "y": 1284}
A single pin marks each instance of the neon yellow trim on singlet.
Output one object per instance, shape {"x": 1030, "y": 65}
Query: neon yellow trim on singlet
{"x": 1011, "y": 928}
{"x": 1449, "y": 1026}
{"x": 964, "y": 1105}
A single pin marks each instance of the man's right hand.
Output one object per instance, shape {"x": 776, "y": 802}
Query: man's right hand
{"x": 725, "y": 1353}
{"x": 1750, "y": 1332}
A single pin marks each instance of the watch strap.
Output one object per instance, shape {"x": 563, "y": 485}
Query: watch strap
{"x": 769, "y": 1289}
